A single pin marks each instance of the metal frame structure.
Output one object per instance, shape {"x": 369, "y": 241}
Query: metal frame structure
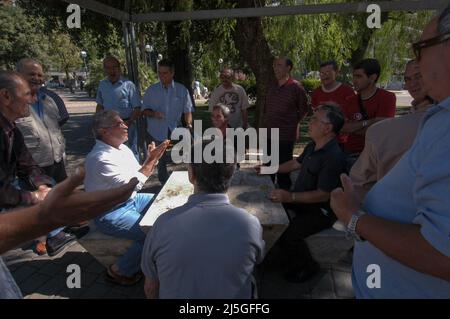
{"x": 129, "y": 19}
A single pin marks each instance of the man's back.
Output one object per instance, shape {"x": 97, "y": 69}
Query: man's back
{"x": 205, "y": 249}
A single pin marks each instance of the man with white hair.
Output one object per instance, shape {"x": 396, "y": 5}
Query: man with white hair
{"x": 111, "y": 164}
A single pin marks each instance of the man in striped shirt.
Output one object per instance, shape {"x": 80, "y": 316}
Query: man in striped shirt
{"x": 285, "y": 106}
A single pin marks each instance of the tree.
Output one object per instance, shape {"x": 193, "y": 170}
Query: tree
{"x": 20, "y": 37}
{"x": 66, "y": 54}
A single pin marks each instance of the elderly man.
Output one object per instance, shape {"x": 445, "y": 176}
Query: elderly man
{"x": 388, "y": 140}
{"x": 403, "y": 225}
{"x": 369, "y": 106}
{"x": 119, "y": 94}
{"x": 16, "y": 161}
{"x": 233, "y": 96}
{"x": 207, "y": 248}
{"x": 285, "y": 106}
{"x": 164, "y": 103}
{"x": 220, "y": 117}
{"x": 320, "y": 165}
{"x": 110, "y": 164}
{"x": 45, "y": 141}
{"x": 41, "y": 129}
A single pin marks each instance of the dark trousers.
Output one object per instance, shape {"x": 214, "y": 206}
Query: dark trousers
{"x": 57, "y": 171}
{"x": 286, "y": 149}
{"x": 163, "y": 175}
{"x": 308, "y": 220}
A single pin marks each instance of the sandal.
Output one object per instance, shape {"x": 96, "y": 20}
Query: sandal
{"x": 114, "y": 277}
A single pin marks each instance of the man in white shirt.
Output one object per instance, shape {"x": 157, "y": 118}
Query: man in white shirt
{"x": 233, "y": 96}
{"x": 110, "y": 164}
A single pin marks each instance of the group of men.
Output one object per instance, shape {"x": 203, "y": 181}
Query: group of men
{"x": 207, "y": 248}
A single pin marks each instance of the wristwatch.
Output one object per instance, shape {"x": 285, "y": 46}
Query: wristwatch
{"x": 350, "y": 233}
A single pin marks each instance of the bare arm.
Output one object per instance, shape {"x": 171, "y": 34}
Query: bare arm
{"x": 402, "y": 242}
{"x": 151, "y": 288}
{"x": 311, "y": 197}
{"x": 188, "y": 118}
{"x": 405, "y": 243}
{"x": 62, "y": 206}
{"x": 357, "y": 127}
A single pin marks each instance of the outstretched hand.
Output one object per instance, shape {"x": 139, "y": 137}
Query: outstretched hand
{"x": 64, "y": 205}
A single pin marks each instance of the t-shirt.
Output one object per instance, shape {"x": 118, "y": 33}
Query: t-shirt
{"x": 235, "y": 98}
{"x": 339, "y": 95}
{"x": 381, "y": 104}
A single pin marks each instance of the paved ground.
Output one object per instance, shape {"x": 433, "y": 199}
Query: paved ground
{"x": 45, "y": 277}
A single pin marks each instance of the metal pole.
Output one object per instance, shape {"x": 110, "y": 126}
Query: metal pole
{"x": 140, "y": 123}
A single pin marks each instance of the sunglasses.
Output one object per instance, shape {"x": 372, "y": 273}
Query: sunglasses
{"x": 418, "y": 46}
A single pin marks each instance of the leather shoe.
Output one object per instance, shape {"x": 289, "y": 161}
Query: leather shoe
{"x": 304, "y": 274}
{"x": 59, "y": 242}
{"x": 78, "y": 231}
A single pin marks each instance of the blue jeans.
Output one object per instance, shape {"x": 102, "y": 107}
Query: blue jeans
{"x": 123, "y": 222}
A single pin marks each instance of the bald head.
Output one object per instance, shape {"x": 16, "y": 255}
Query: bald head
{"x": 434, "y": 59}
{"x": 32, "y": 71}
{"x": 15, "y": 95}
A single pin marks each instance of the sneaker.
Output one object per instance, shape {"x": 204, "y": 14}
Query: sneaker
{"x": 59, "y": 242}
{"x": 304, "y": 274}
{"x": 78, "y": 231}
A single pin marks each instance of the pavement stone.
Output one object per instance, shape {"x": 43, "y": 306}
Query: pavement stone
{"x": 343, "y": 284}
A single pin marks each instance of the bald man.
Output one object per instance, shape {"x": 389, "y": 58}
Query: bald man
{"x": 119, "y": 94}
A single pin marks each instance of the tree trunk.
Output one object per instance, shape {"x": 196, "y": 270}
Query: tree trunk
{"x": 178, "y": 43}
{"x": 254, "y": 50}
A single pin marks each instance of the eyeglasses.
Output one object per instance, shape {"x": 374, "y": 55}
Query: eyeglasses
{"x": 418, "y": 46}
{"x": 118, "y": 124}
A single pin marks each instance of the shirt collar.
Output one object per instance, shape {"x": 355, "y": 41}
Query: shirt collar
{"x": 331, "y": 143}
{"x": 102, "y": 145}
{"x": 172, "y": 84}
{"x": 119, "y": 81}
{"x": 209, "y": 198}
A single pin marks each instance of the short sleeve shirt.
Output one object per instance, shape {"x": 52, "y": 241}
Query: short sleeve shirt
{"x": 121, "y": 96}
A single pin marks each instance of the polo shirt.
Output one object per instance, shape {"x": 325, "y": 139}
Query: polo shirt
{"x": 320, "y": 169}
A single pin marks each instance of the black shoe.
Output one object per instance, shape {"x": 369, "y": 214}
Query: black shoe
{"x": 57, "y": 243}
{"x": 304, "y": 274}
{"x": 77, "y": 231}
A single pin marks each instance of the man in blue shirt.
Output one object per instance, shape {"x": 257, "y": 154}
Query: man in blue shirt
{"x": 164, "y": 103}
{"x": 118, "y": 94}
{"x": 403, "y": 227}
